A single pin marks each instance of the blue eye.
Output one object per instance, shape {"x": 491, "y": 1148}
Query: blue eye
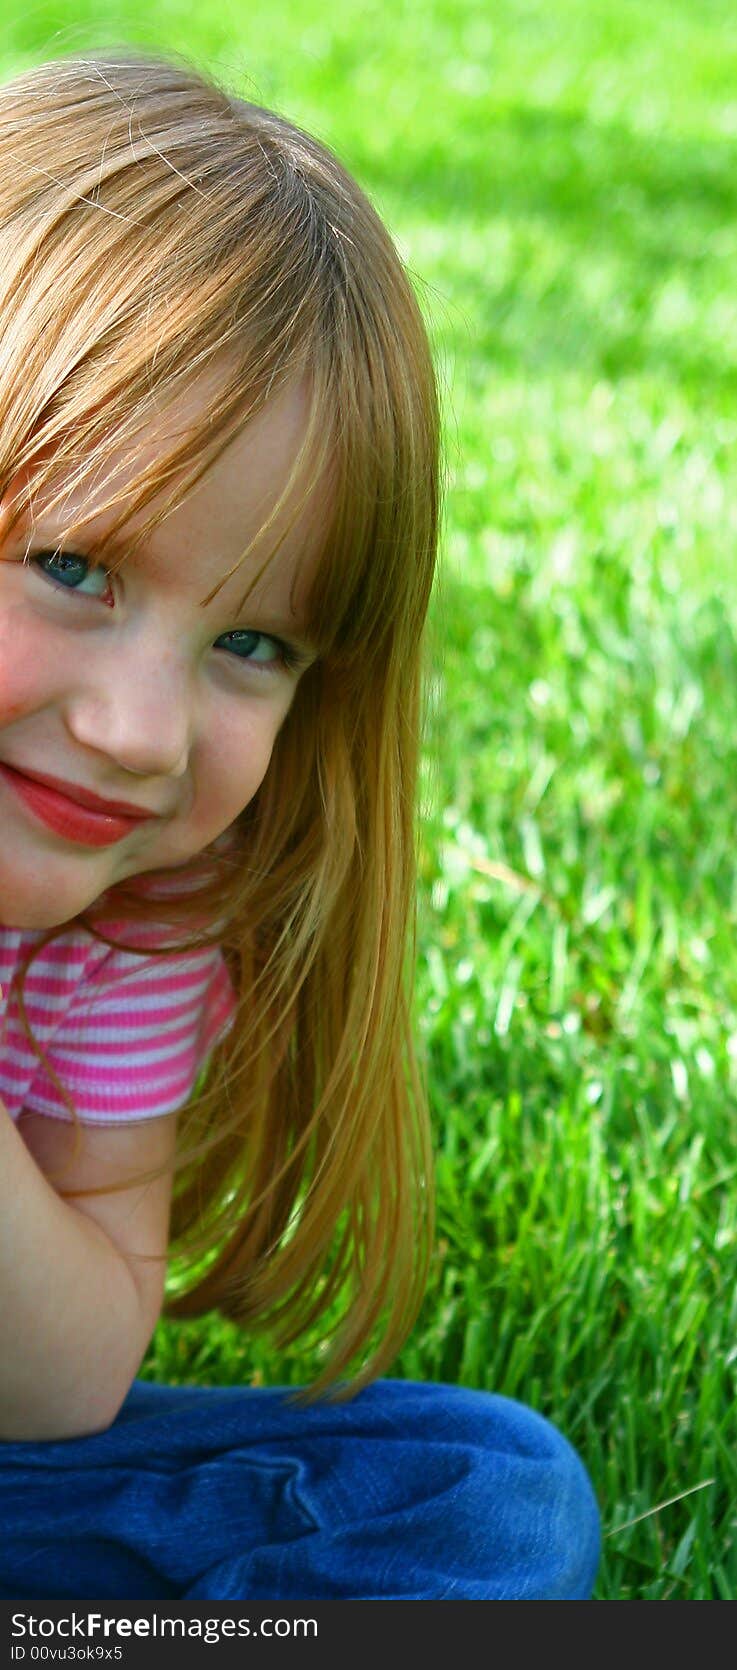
{"x": 68, "y": 564}
{"x": 287, "y": 658}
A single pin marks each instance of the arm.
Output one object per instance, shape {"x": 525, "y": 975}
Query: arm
{"x": 77, "y": 1308}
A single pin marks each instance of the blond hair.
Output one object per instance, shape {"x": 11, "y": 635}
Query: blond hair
{"x": 150, "y": 224}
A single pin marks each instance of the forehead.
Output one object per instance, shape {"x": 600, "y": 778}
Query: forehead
{"x": 231, "y": 510}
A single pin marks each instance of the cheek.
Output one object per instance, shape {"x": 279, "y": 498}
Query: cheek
{"x": 24, "y": 667}
{"x": 238, "y": 758}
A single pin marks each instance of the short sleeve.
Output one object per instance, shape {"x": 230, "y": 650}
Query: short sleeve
{"x": 133, "y": 1042}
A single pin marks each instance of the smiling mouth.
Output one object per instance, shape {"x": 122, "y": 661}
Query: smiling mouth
{"x": 66, "y": 817}
{"x": 84, "y": 797}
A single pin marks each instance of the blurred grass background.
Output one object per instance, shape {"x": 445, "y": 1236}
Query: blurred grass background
{"x": 561, "y": 176}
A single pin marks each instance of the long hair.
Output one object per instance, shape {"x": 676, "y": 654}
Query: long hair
{"x": 153, "y": 225}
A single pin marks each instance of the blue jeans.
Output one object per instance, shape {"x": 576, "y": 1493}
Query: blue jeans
{"x": 409, "y": 1491}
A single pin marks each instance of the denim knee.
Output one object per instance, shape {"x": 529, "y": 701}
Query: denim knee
{"x": 443, "y": 1492}
{"x": 540, "y": 1537}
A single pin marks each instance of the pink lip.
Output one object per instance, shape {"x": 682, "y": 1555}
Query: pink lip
{"x": 84, "y": 797}
{"x": 66, "y": 817}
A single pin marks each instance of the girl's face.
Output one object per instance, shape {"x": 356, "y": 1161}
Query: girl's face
{"x": 126, "y": 687}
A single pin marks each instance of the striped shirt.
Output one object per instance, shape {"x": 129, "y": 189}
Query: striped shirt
{"x": 126, "y": 1034}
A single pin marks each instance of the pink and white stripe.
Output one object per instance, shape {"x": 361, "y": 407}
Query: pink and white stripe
{"x": 127, "y": 1034}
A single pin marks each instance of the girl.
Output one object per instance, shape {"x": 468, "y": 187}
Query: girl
{"x": 211, "y": 357}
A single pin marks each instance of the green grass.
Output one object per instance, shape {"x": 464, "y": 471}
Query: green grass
{"x": 563, "y": 175}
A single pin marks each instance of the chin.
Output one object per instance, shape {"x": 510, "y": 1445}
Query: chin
{"x": 38, "y": 907}
{"x": 32, "y": 917}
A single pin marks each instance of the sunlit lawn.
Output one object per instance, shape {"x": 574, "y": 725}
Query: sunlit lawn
{"x": 563, "y": 176}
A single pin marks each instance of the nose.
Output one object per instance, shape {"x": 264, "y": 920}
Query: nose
{"x": 135, "y": 707}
